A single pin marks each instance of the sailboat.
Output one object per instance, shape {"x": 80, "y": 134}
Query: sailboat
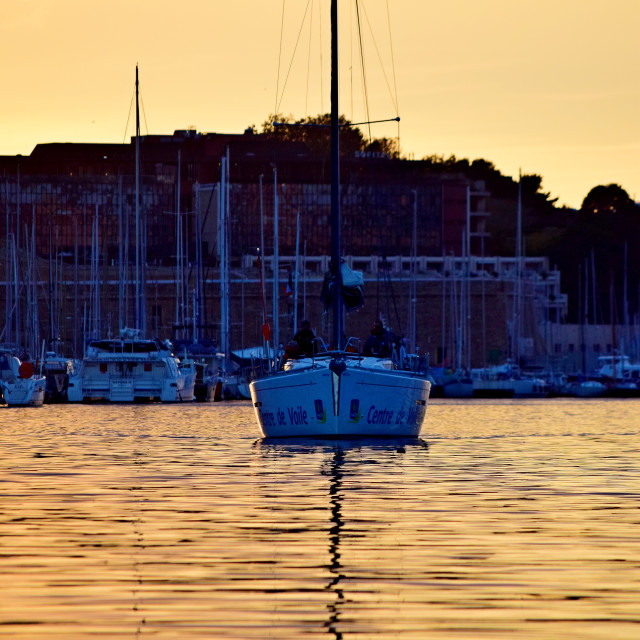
{"x": 130, "y": 368}
{"x": 337, "y": 392}
{"x": 21, "y": 385}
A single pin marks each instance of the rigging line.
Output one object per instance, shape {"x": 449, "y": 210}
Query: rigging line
{"x": 321, "y": 47}
{"x": 293, "y": 55}
{"x": 124, "y": 139}
{"x": 375, "y": 44}
{"x": 393, "y": 63}
{"x": 306, "y": 97}
{"x": 364, "y": 76}
{"x": 144, "y": 115}
{"x": 275, "y": 107}
{"x": 351, "y": 59}
{"x": 395, "y": 84}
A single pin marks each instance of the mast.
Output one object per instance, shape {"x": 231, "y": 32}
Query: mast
{"x": 51, "y": 299}
{"x": 276, "y": 263}
{"x": 18, "y": 334}
{"x": 179, "y": 277}
{"x": 224, "y": 260}
{"x": 261, "y": 235}
{"x": 336, "y": 250}
{"x": 414, "y": 269}
{"x": 197, "y": 307}
{"x": 75, "y": 286}
{"x": 7, "y": 266}
{"x": 120, "y": 261}
{"x": 295, "y": 279}
{"x": 517, "y": 288}
{"x": 140, "y": 255}
{"x": 137, "y": 209}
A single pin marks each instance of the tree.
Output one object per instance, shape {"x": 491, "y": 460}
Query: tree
{"x": 611, "y": 198}
{"x": 314, "y": 131}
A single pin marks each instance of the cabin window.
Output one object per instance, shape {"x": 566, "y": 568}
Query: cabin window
{"x": 596, "y": 348}
{"x": 572, "y": 348}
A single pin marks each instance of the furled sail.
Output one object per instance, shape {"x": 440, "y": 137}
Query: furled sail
{"x": 352, "y": 283}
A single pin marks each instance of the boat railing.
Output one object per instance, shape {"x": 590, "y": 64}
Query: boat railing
{"x": 319, "y": 346}
{"x": 353, "y": 347}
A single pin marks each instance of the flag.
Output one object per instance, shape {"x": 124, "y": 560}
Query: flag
{"x": 288, "y": 288}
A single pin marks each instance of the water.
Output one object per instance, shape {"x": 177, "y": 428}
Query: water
{"x": 508, "y": 519}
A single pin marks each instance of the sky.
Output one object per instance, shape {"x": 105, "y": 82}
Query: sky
{"x": 550, "y": 87}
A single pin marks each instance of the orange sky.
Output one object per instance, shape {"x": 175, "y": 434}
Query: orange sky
{"x": 549, "y": 87}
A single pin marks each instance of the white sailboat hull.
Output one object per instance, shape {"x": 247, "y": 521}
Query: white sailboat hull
{"x": 312, "y": 399}
{"x": 24, "y": 392}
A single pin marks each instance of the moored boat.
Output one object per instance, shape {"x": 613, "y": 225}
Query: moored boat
{"x": 21, "y": 385}
{"x": 338, "y": 392}
{"x": 56, "y": 370}
{"x": 129, "y": 369}
{"x": 506, "y": 381}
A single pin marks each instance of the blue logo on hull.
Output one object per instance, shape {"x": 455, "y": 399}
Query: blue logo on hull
{"x": 354, "y": 411}
{"x": 321, "y": 416}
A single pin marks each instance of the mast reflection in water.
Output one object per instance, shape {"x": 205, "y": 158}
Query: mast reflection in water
{"x": 334, "y": 454}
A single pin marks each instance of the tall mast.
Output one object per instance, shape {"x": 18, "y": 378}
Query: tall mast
{"x": 335, "y": 183}
{"x": 179, "y": 265}
{"x": 517, "y": 299}
{"x": 140, "y": 302}
{"x": 7, "y": 265}
{"x": 197, "y": 308}
{"x": 18, "y": 336}
{"x": 276, "y": 263}
{"x": 121, "y": 272}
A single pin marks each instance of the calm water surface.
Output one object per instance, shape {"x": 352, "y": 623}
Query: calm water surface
{"x": 507, "y": 519}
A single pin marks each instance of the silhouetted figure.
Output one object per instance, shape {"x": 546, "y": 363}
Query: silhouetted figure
{"x": 305, "y": 338}
{"x": 379, "y": 343}
{"x": 291, "y": 351}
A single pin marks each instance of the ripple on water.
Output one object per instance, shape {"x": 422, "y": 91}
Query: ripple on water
{"x": 514, "y": 519}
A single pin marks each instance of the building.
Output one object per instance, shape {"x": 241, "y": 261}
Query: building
{"x": 94, "y": 249}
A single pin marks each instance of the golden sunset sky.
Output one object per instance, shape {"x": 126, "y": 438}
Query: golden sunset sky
{"x": 549, "y": 87}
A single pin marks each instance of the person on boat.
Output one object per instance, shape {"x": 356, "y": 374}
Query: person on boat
{"x": 400, "y": 353}
{"x": 305, "y": 339}
{"x": 291, "y": 351}
{"x": 379, "y": 343}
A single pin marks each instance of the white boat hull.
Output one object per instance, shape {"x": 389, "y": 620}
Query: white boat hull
{"x": 107, "y": 381}
{"x": 590, "y": 389}
{"x": 510, "y": 388}
{"x": 24, "y": 392}
{"x": 457, "y": 389}
{"x": 358, "y": 401}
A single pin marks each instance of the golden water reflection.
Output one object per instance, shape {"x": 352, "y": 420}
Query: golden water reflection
{"x": 506, "y": 519}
